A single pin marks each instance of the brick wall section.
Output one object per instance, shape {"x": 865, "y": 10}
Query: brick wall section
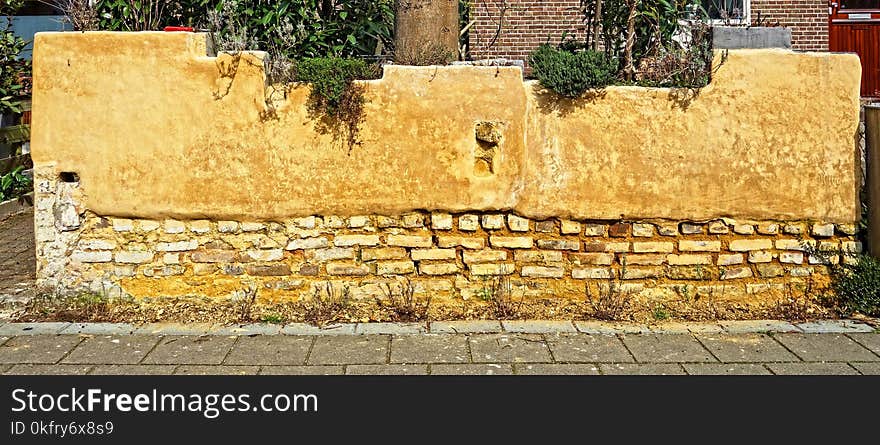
{"x": 528, "y": 23}
{"x": 808, "y": 20}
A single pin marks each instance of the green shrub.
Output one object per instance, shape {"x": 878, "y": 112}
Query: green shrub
{"x": 571, "y": 73}
{"x": 14, "y": 184}
{"x": 856, "y": 286}
{"x": 13, "y": 69}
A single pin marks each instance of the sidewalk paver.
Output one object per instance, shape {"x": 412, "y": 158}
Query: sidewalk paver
{"x": 811, "y": 369}
{"x": 133, "y": 369}
{"x": 749, "y": 326}
{"x": 432, "y": 348}
{"x": 870, "y": 341}
{"x": 585, "y": 348}
{"x": 301, "y": 370}
{"x": 507, "y": 348}
{"x": 739, "y": 348}
{"x": 465, "y": 327}
{"x": 867, "y": 368}
{"x": 30, "y": 369}
{"x": 350, "y": 350}
{"x": 641, "y": 369}
{"x": 270, "y": 350}
{"x": 392, "y": 369}
{"x": 216, "y": 370}
{"x": 307, "y": 329}
{"x": 725, "y": 369}
{"x": 556, "y": 369}
{"x": 537, "y": 326}
{"x": 837, "y": 326}
{"x": 472, "y": 369}
{"x": 33, "y": 328}
{"x": 99, "y": 329}
{"x": 666, "y": 348}
{"x": 37, "y": 348}
{"x": 826, "y": 348}
{"x": 102, "y": 350}
{"x": 391, "y": 328}
{"x": 190, "y": 350}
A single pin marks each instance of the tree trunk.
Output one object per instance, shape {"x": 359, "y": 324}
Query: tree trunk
{"x": 597, "y": 20}
{"x": 629, "y": 70}
{"x": 426, "y": 26}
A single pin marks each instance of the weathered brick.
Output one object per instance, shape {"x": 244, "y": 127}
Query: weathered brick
{"x": 309, "y": 270}
{"x": 484, "y": 256}
{"x": 847, "y": 229}
{"x": 441, "y": 221}
{"x": 537, "y": 256}
{"x": 592, "y": 273}
{"x": 638, "y": 273}
{"x": 213, "y": 256}
{"x": 603, "y": 259}
{"x": 746, "y": 245}
{"x": 744, "y": 229}
{"x": 730, "y": 259}
{"x": 689, "y": 273}
{"x": 492, "y": 268}
{"x": 96, "y": 244}
{"x": 308, "y": 243}
{"x": 122, "y": 225}
{"x": 493, "y": 222}
{"x": 517, "y": 224}
{"x": 823, "y": 230}
{"x": 227, "y": 226}
{"x": 648, "y": 259}
{"x": 547, "y": 226}
{"x": 568, "y": 227}
{"x": 801, "y": 271}
{"x": 147, "y": 225}
{"x": 558, "y": 244}
{"x": 174, "y": 226}
{"x": 409, "y": 240}
{"x": 619, "y": 230}
{"x": 768, "y": 228}
{"x": 793, "y": 244}
{"x": 171, "y": 258}
{"x": 347, "y": 268}
{"x": 433, "y": 254}
{"x": 667, "y": 229}
{"x": 699, "y": 246}
{"x": 164, "y": 271}
{"x": 359, "y": 221}
{"x": 201, "y": 226}
{"x": 306, "y": 222}
{"x": 643, "y": 230}
{"x": 179, "y": 246}
{"x": 134, "y": 257}
{"x": 201, "y": 269}
{"x": 395, "y": 267}
{"x": 770, "y": 270}
{"x": 688, "y": 259}
{"x": 823, "y": 259}
{"x": 542, "y": 272}
{"x": 794, "y": 229}
{"x": 438, "y": 268}
{"x": 232, "y": 269}
{"x": 468, "y": 223}
{"x": 829, "y": 246}
{"x": 791, "y": 257}
{"x": 355, "y": 240}
{"x": 718, "y": 227}
{"x": 251, "y": 226}
{"x": 653, "y": 246}
{"x": 690, "y": 228}
{"x": 332, "y": 253}
{"x": 265, "y": 255}
{"x": 462, "y": 241}
{"x": 267, "y": 270}
{"x": 413, "y": 220}
{"x": 731, "y": 273}
{"x": 760, "y": 256}
{"x": 91, "y": 256}
{"x": 594, "y": 229}
{"x": 511, "y": 242}
{"x": 851, "y": 246}
{"x": 334, "y": 222}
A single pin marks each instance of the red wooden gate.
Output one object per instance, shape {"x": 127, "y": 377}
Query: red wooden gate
{"x": 854, "y": 26}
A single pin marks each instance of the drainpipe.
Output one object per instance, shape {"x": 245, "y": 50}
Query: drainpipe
{"x": 872, "y": 155}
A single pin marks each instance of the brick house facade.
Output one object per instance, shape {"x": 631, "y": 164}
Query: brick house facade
{"x": 528, "y": 23}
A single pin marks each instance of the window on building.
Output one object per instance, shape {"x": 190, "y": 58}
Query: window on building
{"x": 724, "y": 10}
{"x": 39, "y": 8}
{"x": 860, "y": 4}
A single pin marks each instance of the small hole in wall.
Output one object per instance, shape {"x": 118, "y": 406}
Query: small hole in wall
{"x": 68, "y": 177}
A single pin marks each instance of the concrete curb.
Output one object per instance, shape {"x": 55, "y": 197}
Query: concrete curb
{"x": 441, "y": 327}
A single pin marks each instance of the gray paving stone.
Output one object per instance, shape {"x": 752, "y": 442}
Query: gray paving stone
{"x": 756, "y": 326}
{"x": 176, "y": 329}
{"x": 429, "y": 348}
{"x": 587, "y": 348}
{"x": 133, "y": 370}
{"x": 834, "y": 326}
{"x": 307, "y": 329}
{"x": 116, "y": 349}
{"x": 705, "y": 328}
{"x": 725, "y": 369}
{"x": 666, "y": 348}
{"x": 216, "y": 370}
{"x": 670, "y": 328}
{"x": 391, "y": 328}
{"x": 748, "y": 348}
{"x": 641, "y": 369}
{"x": 386, "y": 369}
{"x": 301, "y": 370}
{"x": 870, "y": 341}
{"x": 826, "y": 348}
{"x": 4, "y": 368}
{"x": 472, "y": 369}
{"x": 556, "y": 369}
{"x": 190, "y": 350}
{"x": 811, "y": 369}
{"x": 349, "y": 350}
{"x": 465, "y": 327}
{"x": 611, "y": 328}
{"x": 867, "y": 368}
{"x": 99, "y": 329}
{"x": 249, "y": 329}
{"x": 37, "y": 348}
{"x": 270, "y": 350}
{"x": 537, "y": 326}
{"x": 32, "y": 328}
{"x": 31, "y": 369}
{"x": 506, "y": 348}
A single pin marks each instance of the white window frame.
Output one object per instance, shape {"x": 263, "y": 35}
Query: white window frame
{"x": 745, "y": 20}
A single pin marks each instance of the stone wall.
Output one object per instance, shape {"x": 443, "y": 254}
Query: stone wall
{"x": 163, "y": 172}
